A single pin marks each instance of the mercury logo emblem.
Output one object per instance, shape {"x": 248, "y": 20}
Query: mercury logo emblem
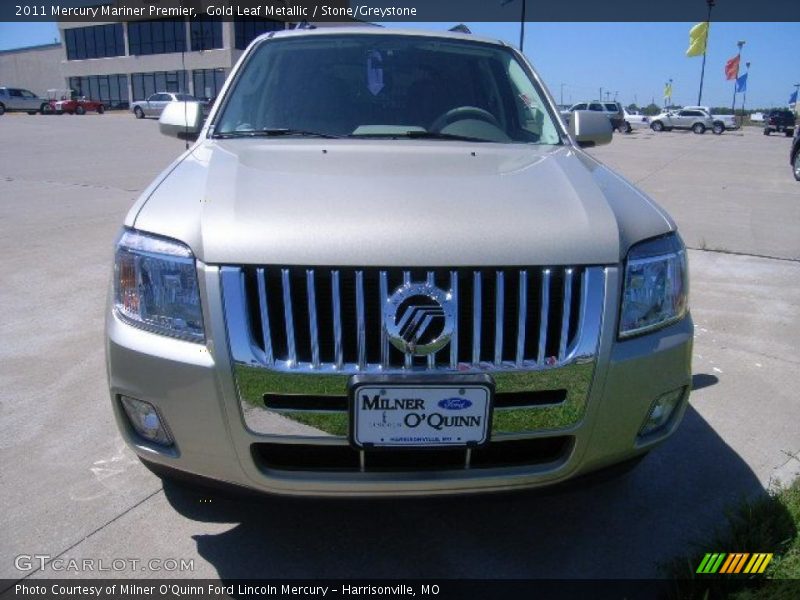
{"x": 419, "y": 318}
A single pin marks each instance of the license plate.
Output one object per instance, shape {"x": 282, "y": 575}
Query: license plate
{"x": 414, "y": 415}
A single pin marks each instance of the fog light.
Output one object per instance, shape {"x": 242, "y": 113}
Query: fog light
{"x": 144, "y": 418}
{"x": 661, "y": 411}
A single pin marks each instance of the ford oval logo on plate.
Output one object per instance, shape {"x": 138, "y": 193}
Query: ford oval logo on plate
{"x": 455, "y": 403}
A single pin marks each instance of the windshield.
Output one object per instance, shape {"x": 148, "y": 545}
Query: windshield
{"x": 185, "y": 98}
{"x": 386, "y": 86}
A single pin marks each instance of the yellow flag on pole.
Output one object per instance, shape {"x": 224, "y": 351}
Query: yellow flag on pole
{"x": 698, "y": 36}
{"x": 668, "y": 90}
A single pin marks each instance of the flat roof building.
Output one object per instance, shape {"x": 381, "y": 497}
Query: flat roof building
{"x": 120, "y": 62}
{"x": 36, "y": 68}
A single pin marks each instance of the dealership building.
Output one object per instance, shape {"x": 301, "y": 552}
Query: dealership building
{"x": 121, "y": 62}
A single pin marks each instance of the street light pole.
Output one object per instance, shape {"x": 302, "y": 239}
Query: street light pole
{"x": 521, "y": 25}
{"x": 705, "y": 49}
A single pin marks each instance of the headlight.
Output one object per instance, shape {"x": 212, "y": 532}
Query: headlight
{"x": 656, "y": 285}
{"x": 155, "y": 286}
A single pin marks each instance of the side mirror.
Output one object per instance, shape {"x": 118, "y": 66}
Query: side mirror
{"x": 590, "y": 128}
{"x": 182, "y": 120}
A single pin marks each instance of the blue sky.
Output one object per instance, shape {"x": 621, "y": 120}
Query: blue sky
{"x": 633, "y": 60}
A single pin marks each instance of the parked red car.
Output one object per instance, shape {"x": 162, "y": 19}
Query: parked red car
{"x": 68, "y": 101}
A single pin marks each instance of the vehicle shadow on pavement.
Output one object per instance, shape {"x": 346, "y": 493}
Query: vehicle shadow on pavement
{"x": 620, "y": 528}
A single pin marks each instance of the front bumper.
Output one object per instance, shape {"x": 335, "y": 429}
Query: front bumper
{"x": 195, "y": 391}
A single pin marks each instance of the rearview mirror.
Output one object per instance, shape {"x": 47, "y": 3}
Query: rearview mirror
{"x": 182, "y": 120}
{"x": 590, "y": 128}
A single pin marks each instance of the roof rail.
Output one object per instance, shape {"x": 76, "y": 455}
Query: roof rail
{"x": 460, "y": 28}
{"x": 305, "y": 25}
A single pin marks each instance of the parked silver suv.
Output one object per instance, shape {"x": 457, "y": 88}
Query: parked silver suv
{"x": 386, "y": 267}
{"x": 696, "y": 120}
{"x": 21, "y": 100}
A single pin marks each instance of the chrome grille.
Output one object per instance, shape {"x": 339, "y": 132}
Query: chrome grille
{"x": 330, "y": 319}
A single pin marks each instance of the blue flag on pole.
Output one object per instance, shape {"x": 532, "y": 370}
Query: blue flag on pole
{"x": 793, "y": 97}
{"x": 741, "y": 83}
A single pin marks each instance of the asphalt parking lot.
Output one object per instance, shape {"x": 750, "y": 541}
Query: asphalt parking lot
{"x": 69, "y": 488}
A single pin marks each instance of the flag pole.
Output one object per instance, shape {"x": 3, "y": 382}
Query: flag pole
{"x": 740, "y": 43}
{"x": 744, "y": 97}
{"x": 705, "y": 49}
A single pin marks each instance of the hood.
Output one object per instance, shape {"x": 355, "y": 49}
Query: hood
{"x": 396, "y": 203}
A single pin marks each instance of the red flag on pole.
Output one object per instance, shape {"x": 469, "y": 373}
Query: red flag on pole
{"x": 732, "y": 68}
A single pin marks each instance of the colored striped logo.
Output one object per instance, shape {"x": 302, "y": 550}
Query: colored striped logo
{"x": 735, "y": 562}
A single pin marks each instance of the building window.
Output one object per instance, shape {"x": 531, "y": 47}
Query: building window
{"x": 98, "y": 41}
{"x": 249, "y": 29}
{"x": 206, "y": 33}
{"x": 112, "y": 90}
{"x": 145, "y": 85}
{"x": 207, "y": 83}
{"x": 156, "y": 37}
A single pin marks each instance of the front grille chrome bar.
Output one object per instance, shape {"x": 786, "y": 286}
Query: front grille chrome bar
{"x": 330, "y": 320}
{"x": 337, "y": 320}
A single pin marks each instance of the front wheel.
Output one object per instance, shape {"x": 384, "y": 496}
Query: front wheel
{"x": 797, "y": 165}
{"x": 101, "y": 109}
{"x": 699, "y": 128}
{"x": 80, "y": 111}
{"x": 766, "y": 131}
{"x": 718, "y": 128}
{"x": 657, "y": 126}
{"x": 789, "y": 132}
{"x": 45, "y": 108}
{"x": 628, "y": 127}
{"x": 138, "y": 112}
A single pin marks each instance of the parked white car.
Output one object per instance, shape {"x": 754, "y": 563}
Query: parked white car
{"x": 757, "y": 117}
{"x": 635, "y": 120}
{"x": 155, "y": 103}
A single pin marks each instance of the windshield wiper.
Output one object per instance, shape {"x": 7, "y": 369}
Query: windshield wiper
{"x": 273, "y": 132}
{"x": 420, "y": 135}
{"x": 437, "y": 135}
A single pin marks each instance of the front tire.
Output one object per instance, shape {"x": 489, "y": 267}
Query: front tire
{"x": 699, "y": 128}
{"x": 657, "y": 126}
{"x": 101, "y": 109}
{"x": 80, "y": 110}
{"x": 796, "y": 165}
{"x": 46, "y": 109}
{"x": 138, "y": 112}
{"x": 766, "y": 131}
{"x": 789, "y": 132}
{"x": 718, "y": 128}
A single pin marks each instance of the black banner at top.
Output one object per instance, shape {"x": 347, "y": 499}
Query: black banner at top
{"x": 401, "y": 10}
